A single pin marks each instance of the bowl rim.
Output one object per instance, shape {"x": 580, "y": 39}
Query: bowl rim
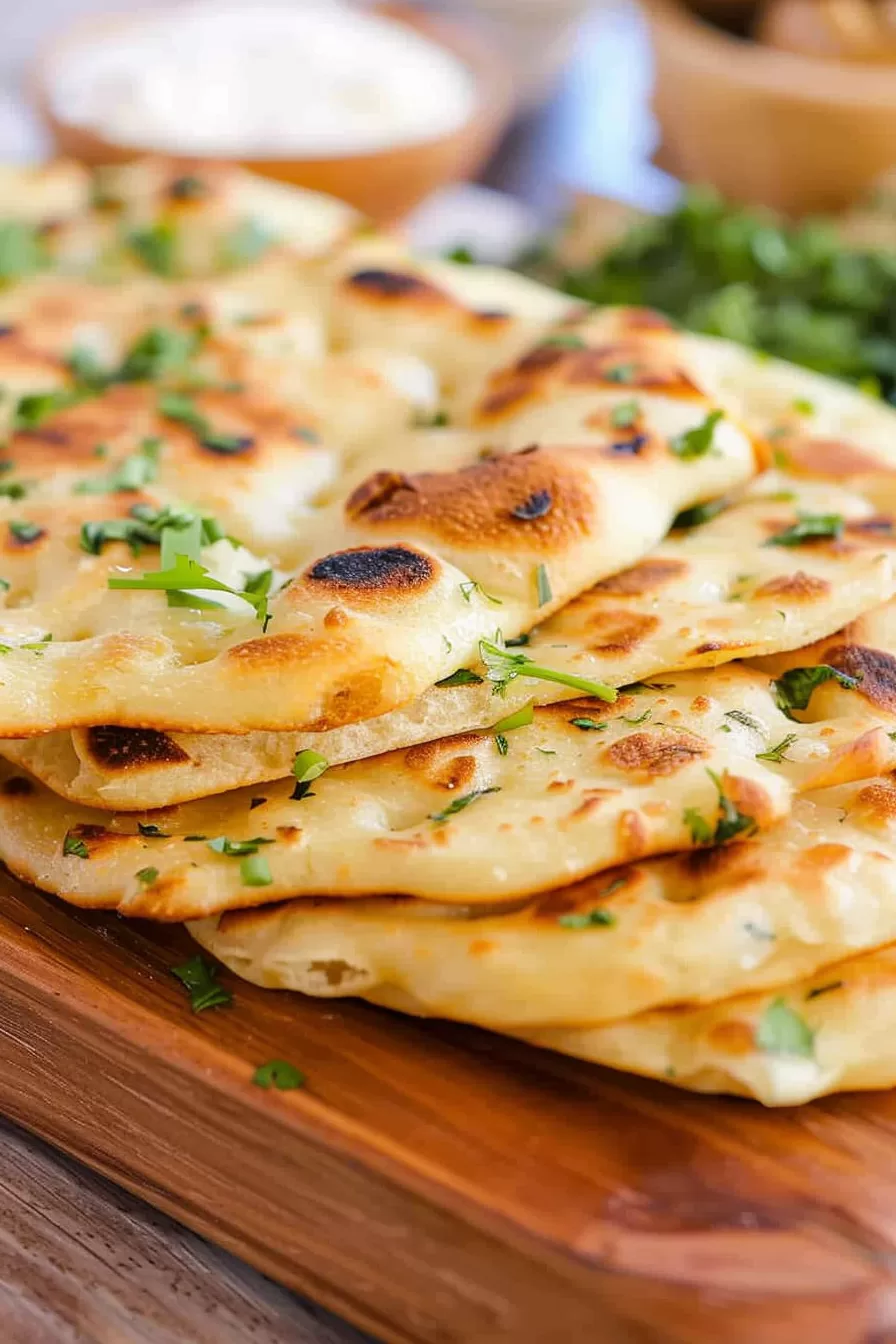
{"x": 468, "y": 42}
{"x": 800, "y": 77}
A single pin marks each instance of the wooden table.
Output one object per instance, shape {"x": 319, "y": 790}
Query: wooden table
{"x": 81, "y": 1262}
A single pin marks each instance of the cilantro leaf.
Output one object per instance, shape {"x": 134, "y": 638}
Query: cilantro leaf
{"x": 462, "y": 677}
{"x": 198, "y": 978}
{"x": 233, "y": 849}
{"x": 280, "y": 1074}
{"x": 781, "y": 1031}
{"x": 699, "y": 514}
{"x": 793, "y": 689}
{"x": 778, "y": 753}
{"x": 73, "y": 845}
{"x": 307, "y": 767}
{"x": 255, "y": 871}
{"x": 502, "y": 667}
{"x": 696, "y": 442}
{"x": 146, "y": 876}
{"x": 156, "y": 247}
{"x": 809, "y": 527}
{"x": 543, "y": 591}
{"x": 699, "y": 827}
{"x": 459, "y": 804}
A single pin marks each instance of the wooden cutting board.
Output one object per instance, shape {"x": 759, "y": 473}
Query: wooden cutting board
{"x": 439, "y": 1185}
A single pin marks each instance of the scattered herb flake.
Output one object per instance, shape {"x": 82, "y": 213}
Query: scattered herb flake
{"x": 233, "y": 849}
{"x": 255, "y": 871}
{"x": 696, "y": 442}
{"x": 198, "y": 978}
{"x": 307, "y": 767}
{"x": 781, "y": 1031}
{"x": 462, "y": 677}
{"x": 809, "y": 527}
{"x": 588, "y": 725}
{"x": 459, "y": 804}
{"x": 699, "y": 514}
{"x": 74, "y": 846}
{"x": 699, "y": 827}
{"x": 793, "y": 689}
{"x": 778, "y": 753}
{"x": 502, "y": 667}
{"x": 471, "y": 586}
{"x": 146, "y": 876}
{"x": 543, "y": 590}
{"x": 745, "y": 720}
{"x": 278, "y": 1073}
{"x": 625, "y": 414}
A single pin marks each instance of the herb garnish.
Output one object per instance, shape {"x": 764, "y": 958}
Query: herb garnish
{"x": 255, "y": 871}
{"x": 809, "y": 527}
{"x": 131, "y": 474}
{"x": 278, "y": 1073}
{"x": 462, "y": 677}
{"x": 73, "y": 845}
{"x": 699, "y": 514}
{"x": 182, "y": 577}
{"x": 146, "y": 876}
{"x": 471, "y": 586}
{"x": 730, "y": 824}
{"x": 21, "y": 250}
{"x": 156, "y": 247}
{"x": 696, "y": 442}
{"x": 566, "y": 340}
{"x": 307, "y": 767}
{"x": 150, "y": 829}
{"x": 460, "y": 803}
{"x": 177, "y": 406}
{"x": 502, "y": 667}
{"x": 593, "y": 919}
{"x": 588, "y": 725}
{"x": 521, "y": 719}
{"x": 198, "y": 978}
{"x": 777, "y": 754}
{"x": 781, "y": 1031}
{"x": 25, "y": 532}
{"x": 793, "y": 689}
{"x": 746, "y": 720}
{"x": 234, "y": 849}
{"x": 625, "y": 414}
{"x": 543, "y": 590}
{"x": 32, "y": 409}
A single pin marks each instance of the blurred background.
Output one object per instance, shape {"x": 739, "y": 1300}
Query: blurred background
{"x": 728, "y": 161}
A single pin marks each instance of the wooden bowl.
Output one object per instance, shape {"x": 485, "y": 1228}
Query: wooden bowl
{"x": 799, "y": 133}
{"x": 385, "y": 184}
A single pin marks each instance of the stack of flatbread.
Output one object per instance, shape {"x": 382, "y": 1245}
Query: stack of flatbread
{"x": 414, "y": 635}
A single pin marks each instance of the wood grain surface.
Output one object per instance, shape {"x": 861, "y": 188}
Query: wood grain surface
{"x": 440, "y": 1185}
{"x": 82, "y": 1262}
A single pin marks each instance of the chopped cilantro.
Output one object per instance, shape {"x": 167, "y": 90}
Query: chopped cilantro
{"x": 804, "y": 407}
{"x": 699, "y": 827}
{"x": 566, "y": 340}
{"x": 696, "y": 442}
{"x": 13, "y": 490}
{"x": 73, "y": 845}
{"x": 279, "y": 1074}
{"x": 33, "y": 409}
{"x": 21, "y": 250}
{"x": 809, "y": 527}
{"x": 459, "y": 804}
{"x": 146, "y": 876}
{"x": 745, "y": 720}
{"x": 543, "y": 590}
{"x": 502, "y": 667}
{"x": 731, "y": 821}
{"x": 641, "y": 718}
{"x": 620, "y": 373}
{"x": 177, "y": 406}
{"x": 234, "y": 849}
{"x": 781, "y": 1031}
{"x": 588, "y": 725}
{"x": 307, "y": 767}
{"x": 699, "y": 514}
{"x": 793, "y": 689}
{"x": 625, "y": 414}
{"x": 471, "y": 586}
{"x": 156, "y": 247}
{"x": 198, "y": 978}
{"x": 462, "y": 677}
{"x": 183, "y": 576}
{"x": 592, "y": 919}
{"x": 25, "y": 532}
{"x": 777, "y": 754}
{"x": 131, "y": 474}
{"x": 255, "y": 871}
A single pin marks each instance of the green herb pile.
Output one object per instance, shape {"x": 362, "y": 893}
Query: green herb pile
{"x": 797, "y": 291}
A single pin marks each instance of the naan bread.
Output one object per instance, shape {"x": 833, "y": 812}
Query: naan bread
{"x": 864, "y": 650}
{"x": 820, "y": 429}
{"x": 693, "y": 928}
{"x": 834, "y": 1031}
{"x": 706, "y": 595}
{"x": 584, "y": 787}
{"x": 420, "y": 568}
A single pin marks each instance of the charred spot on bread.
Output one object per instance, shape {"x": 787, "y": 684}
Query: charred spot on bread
{"x": 374, "y": 568}
{"x": 126, "y": 749}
